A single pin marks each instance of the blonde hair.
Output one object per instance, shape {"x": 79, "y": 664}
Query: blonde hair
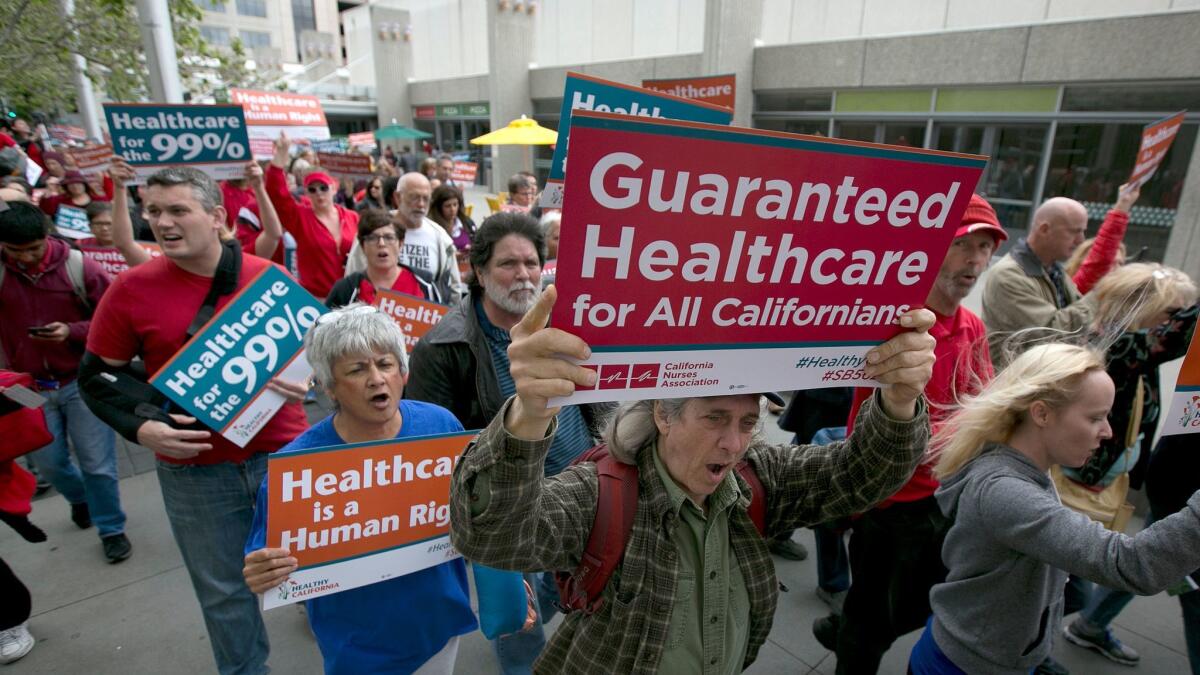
{"x": 1051, "y": 373}
{"x": 1132, "y": 294}
{"x": 1081, "y": 251}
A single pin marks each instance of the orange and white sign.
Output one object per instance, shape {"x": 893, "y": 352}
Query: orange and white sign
{"x": 1156, "y": 141}
{"x": 354, "y": 515}
{"x": 717, "y": 89}
{"x": 414, "y": 315}
{"x": 270, "y": 112}
{"x": 464, "y": 172}
{"x": 341, "y": 164}
{"x": 93, "y": 160}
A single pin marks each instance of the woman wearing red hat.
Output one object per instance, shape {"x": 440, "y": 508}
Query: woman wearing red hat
{"x": 75, "y": 193}
{"x": 324, "y": 231}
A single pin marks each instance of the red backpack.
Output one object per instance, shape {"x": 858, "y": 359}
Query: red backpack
{"x": 615, "y": 507}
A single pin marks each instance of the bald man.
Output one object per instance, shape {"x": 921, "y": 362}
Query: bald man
{"x": 1028, "y": 288}
{"x": 428, "y": 249}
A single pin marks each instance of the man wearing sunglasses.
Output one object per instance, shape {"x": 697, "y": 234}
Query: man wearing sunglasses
{"x": 324, "y": 231}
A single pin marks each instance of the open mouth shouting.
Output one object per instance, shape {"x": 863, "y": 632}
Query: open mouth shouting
{"x": 382, "y": 401}
{"x": 716, "y": 472}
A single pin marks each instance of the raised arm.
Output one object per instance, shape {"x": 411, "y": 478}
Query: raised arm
{"x": 1102, "y": 257}
{"x": 272, "y": 230}
{"x": 122, "y": 228}
{"x": 286, "y": 208}
{"x": 504, "y": 513}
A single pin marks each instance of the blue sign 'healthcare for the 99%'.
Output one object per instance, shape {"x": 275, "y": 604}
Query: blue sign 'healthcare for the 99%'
{"x": 211, "y": 137}
{"x": 219, "y": 375}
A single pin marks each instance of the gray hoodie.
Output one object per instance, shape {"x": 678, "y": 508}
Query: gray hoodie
{"x": 1010, "y": 549}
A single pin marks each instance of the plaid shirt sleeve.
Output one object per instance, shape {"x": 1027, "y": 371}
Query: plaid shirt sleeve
{"x": 808, "y": 484}
{"x": 505, "y": 514}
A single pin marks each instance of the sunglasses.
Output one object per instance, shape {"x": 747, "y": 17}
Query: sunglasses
{"x": 318, "y": 187}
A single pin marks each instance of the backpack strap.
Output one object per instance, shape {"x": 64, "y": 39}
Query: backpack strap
{"x": 616, "y": 506}
{"x": 758, "y": 496}
{"x": 75, "y": 272}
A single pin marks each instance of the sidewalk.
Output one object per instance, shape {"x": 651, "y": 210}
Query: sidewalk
{"x": 141, "y": 617}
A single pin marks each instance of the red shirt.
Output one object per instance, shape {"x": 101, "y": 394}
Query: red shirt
{"x": 147, "y": 311}
{"x": 963, "y": 365}
{"x": 406, "y": 282}
{"x": 235, "y": 199}
{"x": 320, "y": 260}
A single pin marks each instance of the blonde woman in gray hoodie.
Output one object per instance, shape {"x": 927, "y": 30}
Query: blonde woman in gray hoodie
{"x": 1013, "y": 543}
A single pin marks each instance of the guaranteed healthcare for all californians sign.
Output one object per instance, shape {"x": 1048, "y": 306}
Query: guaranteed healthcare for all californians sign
{"x": 150, "y": 137}
{"x": 220, "y": 376}
{"x": 584, "y": 92}
{"x": 362, "y": 513}
{"x": 699, "y": 260}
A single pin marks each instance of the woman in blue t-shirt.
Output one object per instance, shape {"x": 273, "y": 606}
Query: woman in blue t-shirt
{"x": 403, "y": 625}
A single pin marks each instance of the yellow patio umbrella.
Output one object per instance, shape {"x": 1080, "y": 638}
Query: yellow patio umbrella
{"x": 523, "y": 131}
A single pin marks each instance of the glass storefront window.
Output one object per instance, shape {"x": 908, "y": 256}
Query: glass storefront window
{"x": 1157, "y": 97}
{"x": 855, "y": 131}
{"x": 1009, "y": 181}
{"x": 909, "y": 135}
{"x": 1088, "y": 163}
{"x": 805, "y": 126}
{"x": 793, "y": 101}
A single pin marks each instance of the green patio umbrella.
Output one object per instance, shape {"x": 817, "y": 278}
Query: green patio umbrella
{"x": 398, "y": 132}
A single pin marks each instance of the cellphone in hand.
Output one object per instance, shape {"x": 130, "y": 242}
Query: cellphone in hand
{"x": 37, "y": 331}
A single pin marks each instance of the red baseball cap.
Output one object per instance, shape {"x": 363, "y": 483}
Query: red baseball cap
{"x": 981, "y": 217}
{"x": 321, "y": 176}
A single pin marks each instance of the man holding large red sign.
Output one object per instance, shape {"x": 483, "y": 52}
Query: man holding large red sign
{"x": 718, "y": 280}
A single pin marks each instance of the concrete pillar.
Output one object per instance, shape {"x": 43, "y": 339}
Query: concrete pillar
{"x": 392, "y": 56}
{"x": 510, "y": 51}
{"x": 730, "y": 29}
{"x": 85, "y": 96}
{"x": 1183, "y": 246}
{"x": 158, "y": 39}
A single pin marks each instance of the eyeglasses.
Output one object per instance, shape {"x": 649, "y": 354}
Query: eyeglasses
{"x": 335, "y": 316}
{"x": 318, "y": 187}
{"x": 380, "y": 239}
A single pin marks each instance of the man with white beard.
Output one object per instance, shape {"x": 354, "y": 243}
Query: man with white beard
{"x": 461, "y": 364}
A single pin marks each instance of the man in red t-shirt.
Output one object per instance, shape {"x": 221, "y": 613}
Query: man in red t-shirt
{"x": 208, "y": 483}
{"x": 896, "y": 548}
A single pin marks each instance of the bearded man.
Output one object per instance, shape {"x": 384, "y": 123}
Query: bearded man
{"x": 462, "y": 365}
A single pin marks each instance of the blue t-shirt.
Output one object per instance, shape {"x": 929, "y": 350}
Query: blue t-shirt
{"x": 393, "y": 626}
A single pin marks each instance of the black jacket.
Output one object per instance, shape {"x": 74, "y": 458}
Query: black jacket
{"x": 345, "y": 291}
{"x": 445, "y": 369}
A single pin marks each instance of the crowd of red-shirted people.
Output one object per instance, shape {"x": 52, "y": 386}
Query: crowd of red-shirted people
{"x": 1028, "y": 432}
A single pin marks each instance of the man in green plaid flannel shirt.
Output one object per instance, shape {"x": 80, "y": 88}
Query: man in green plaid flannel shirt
{"x": 696, "y": 590}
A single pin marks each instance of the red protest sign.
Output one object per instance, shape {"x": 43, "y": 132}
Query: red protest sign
{"x": 749, "y": 252}
{"x": 464, "y": 172}
{"x": 112, "y": 260}
{"x": 1156, "y": 140}
{"x": 717, "y": 89}
{"x": 414, "y": 315}
{"x": 93, "y": 160}
{"x": 365, "y": 139}
{"x": 342, "y": 164}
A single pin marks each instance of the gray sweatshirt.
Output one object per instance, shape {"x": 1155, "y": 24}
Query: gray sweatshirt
{"x": 1010, "y": 550}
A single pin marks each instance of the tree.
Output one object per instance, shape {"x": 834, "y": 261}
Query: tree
{"x": 37, "y": 41}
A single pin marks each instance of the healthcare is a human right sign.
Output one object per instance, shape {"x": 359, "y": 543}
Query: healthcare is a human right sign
{"x": 699, "y": 260}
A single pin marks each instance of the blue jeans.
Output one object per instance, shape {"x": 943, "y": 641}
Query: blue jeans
{"x": 516, "y": 652}
{"x": 94, "y": 481}
{"x": 833, "y": 563}
{"x": 211, "y": 508}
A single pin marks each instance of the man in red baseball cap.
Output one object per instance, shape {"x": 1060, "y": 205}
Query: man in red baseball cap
{"x": 895, "y": 548}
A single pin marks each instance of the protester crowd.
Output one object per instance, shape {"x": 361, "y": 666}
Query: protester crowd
{"x": 983, "y": 488}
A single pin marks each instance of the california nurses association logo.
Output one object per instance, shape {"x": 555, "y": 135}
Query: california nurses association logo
{"x": 626, "y": 375}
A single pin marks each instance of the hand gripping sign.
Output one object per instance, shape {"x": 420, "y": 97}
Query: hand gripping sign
{"x": 584, "y": 92}
{"x": 359, "y": 514}
{"x": 150, "y": 137}
{"x": 700, "y": 260}
{"x": 1183, "y": 415}
{"x": 220, "y": 376}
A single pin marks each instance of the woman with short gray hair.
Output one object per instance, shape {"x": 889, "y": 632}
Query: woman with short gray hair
{"x": 358, "y": 359}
